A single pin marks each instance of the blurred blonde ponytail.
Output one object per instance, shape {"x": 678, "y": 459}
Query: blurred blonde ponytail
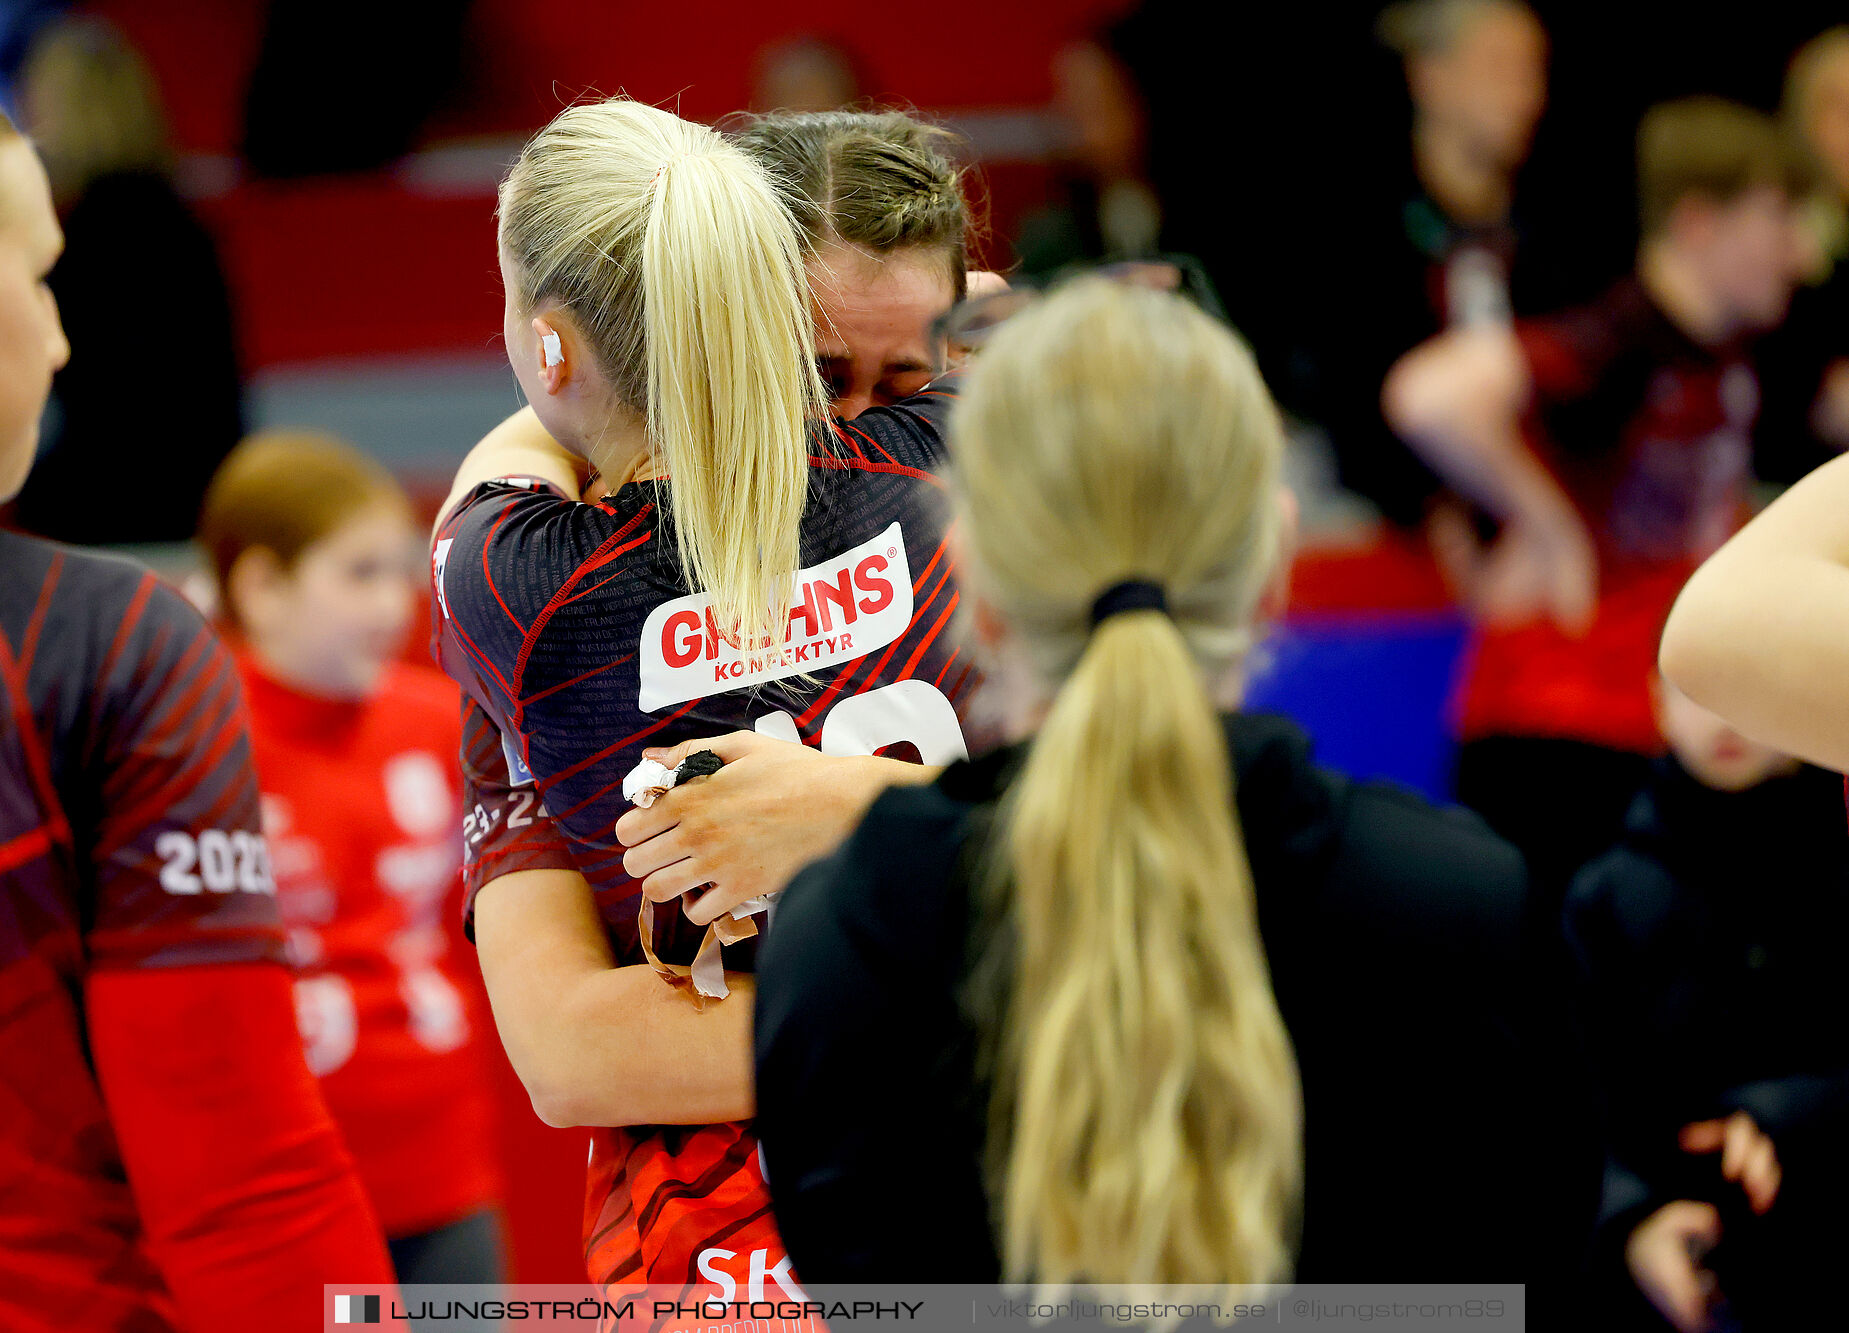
{"x": 673, "y": 252}
{"x": 1145, "y": 1086}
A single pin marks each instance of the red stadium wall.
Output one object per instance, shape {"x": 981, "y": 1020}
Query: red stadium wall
{"x": 391, "y": 263}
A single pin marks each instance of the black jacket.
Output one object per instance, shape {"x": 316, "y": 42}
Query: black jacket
{"x": 1711, "y": 942}
{"x": 1395, "y": 936}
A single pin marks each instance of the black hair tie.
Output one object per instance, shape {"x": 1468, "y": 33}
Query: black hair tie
{"x": 1130, "y": 595}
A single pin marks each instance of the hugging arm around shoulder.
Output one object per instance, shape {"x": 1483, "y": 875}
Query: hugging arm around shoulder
{"x": 594, "y": 1043}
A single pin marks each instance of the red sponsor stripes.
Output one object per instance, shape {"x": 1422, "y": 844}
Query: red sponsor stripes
{"x": 955, "y": 653}
{"x": 606, "y": 752}
{"x": 607, "y": 550}
{"x": 16, "y": 852}
{"x": 131, "y": 617}
{"x": 862, "y": 465}
{"x": 28, "y": 646}
{"x": 488, "y": 574}
{"x": 879, "y": 669}
{"x": 38, "y": 762}
{"x": 911, "y": 663}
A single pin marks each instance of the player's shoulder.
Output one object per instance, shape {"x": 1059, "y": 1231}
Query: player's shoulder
{"x": 81, "y": 596}
{"x": 54, "y": 571}
{"x": 508, "y": 546}
{"x": 513, "y": 514}
{"x": 908, "y": 435}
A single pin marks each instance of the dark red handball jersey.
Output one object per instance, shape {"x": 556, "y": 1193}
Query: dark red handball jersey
{"x": 165, "y": 1159}
{"x": 574, "y": 632}
{"x": 1650, "y": 434}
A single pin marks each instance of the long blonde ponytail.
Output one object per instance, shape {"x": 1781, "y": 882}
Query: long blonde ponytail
{"x": 1145, "y": 1086}
{"x": 675, "y": 255}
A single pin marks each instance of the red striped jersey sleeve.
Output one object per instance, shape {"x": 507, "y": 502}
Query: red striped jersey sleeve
{"x": 179, "y": 873}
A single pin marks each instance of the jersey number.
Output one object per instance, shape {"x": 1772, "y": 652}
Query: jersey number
{"x": 227, "y": 862}
{"x": 906, "y": 710}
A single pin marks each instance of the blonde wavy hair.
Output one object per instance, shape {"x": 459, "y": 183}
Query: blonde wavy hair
{"x": 1146, "y": 1094}
{"x": 674, "y": 254}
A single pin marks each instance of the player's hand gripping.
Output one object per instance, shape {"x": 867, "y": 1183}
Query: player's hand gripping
{"x": 747, "y": 829}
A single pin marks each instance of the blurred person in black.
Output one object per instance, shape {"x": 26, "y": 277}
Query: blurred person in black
{"x": 371, "y": 83}
{"x": 1056, "y": 975}
{"x": 1258, "y": 131}
{"x": 1710, "y": 942}
{"x": 1105, "y": 207}
{"x": 144, "y": 302}
{"x": 1805, "y": 364}
{"x": 1439, "y": 248}
{"x": 1613, "y": 444}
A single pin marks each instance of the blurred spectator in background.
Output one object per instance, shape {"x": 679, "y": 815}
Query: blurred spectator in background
{"x": 315, "y": 558}
{"x": 338, "y": 89}
{"x": 1105, "y": 207}
{"x": 1711, "y": 941}
{"x": 153, "y": 377}
{"x": 1439, "y": 249}
{"x": 1805, "y": 365}
{"x": 1613, "y": 444}
{"x": 805, "y": 74}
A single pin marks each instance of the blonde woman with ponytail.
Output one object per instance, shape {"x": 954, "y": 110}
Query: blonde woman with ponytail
{"x": 750, "y": 569}
{"x": 1147, "y": 997}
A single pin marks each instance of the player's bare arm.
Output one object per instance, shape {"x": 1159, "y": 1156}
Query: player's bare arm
{"x": 598, "y": 1044}
{"x": 1761, "y": 633}
{"x": 747, "y": 829}
{"x": 1458, "y": 400}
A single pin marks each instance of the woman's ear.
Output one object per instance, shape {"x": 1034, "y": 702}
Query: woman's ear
{"x": 255, "y": 589}
{"x": 557, "y": 352}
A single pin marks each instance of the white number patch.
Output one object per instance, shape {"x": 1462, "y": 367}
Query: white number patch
{"x": 234, "y": 862}
{"x": 906, "y": 710}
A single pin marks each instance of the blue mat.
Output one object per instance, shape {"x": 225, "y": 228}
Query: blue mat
{"x": 1372, "y": 691}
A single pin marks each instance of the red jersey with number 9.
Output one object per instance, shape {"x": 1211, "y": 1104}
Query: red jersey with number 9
{"x": 572, "y": 627}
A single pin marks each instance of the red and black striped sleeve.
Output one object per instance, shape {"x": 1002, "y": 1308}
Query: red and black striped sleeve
{"x": 909, "y": 436}
{"x": 174, "y": 852}
{"x": 505, "y": 827}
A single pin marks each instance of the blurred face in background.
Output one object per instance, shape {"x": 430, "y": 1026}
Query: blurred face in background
{"x": 1489, "y": 86}
{"x": 873, "y": 316}
{"x": 1826, "y": 122}
{"x": 1714, "y": 754}
{"x": 333, "y": 621}
{"x": 1750, "y": 250}
{"x": 1097, "y": 103}
{"x": 32, "y": 345}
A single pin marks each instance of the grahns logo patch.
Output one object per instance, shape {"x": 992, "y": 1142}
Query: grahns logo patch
{"x": 842, "y": 609}
{"x": 356, "y": 1309}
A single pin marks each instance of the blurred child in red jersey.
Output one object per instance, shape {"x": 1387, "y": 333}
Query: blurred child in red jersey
{"x": 1613, "y": 444}
{"x": 314, "y": 553}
